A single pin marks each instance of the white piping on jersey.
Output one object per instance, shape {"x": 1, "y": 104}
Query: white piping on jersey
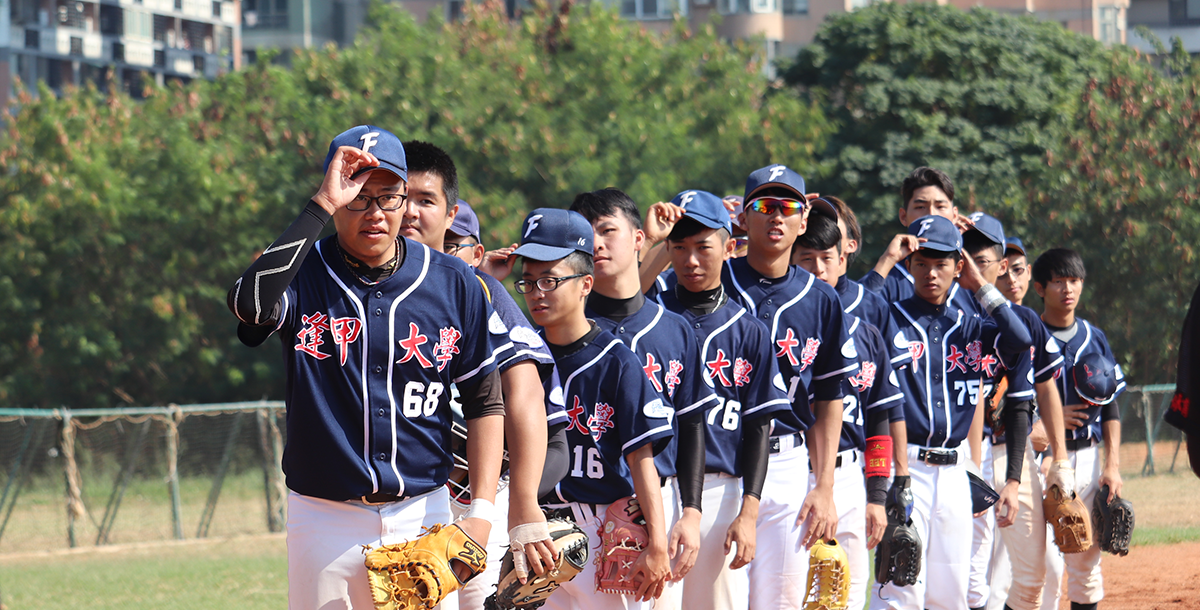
{"x": 567, "y": 384}
{"x": 1057, "y": 363}
{"x": 362, "y": 316}
{"x": 533, "y": 355}
{"x": 554, "y": 417}
{"x": 474, "y": 371}
{"x": 697, "y": 404}
{"x": 904, "y": 272}
{"x": 258, "y": 276}
{"x": 785, "y": 306}
{"x": 749, "y": 302}
{"x": 641, "y": 333}
{"x": 857, "y": 299}
{"x": 877, "y": 403}
{"x": 852, "y": 367}
{"x": 777, "y": 401}
{"x": 708, "y": 340}
{"x": 853, "y": 327}
{"x": 392, "y": 357}
{"x": 946, "y": 388}
{"x": 925, "y": 355}
{"x": 632, "y": 442}
{"x": 1087, "y": 338}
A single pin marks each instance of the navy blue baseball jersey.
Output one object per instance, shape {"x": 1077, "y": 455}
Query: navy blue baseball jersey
{"x": 523, "y": 343}
{"x": 666, "y": 348}
{"x": 738, "y": 364}
{"x": 874, "y": 386}
{"x": 1022, "y": 373}
{"x": 369, "y": 370}
{"x": 899, "y": 283}
{"x": 808, "y": 333}
{"x": 954, "y": 357}
{"x": 1087, "y": 339}
{"x": 858, "y": 301}
{"x": 611, "y": 411}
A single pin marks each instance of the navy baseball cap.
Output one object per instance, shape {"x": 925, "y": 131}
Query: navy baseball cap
{"x": 825, "y": 207}
{"x": 775, "y": 176}
{"x": 1095, "y": 378}
{"x": 989, "y": 227}
{"x": 940, "y": 234}
{"x": 705, "y": 208}
{"x": 550, "y": 234}
{"x": 1014, "y": 243}
{"x": 376, "y": 140}
{"x": 466, "y": 223}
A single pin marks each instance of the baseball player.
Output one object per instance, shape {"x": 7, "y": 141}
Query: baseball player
{"x": 1058, "y": 278}
{"x": 1019, "y": 553}
{"x": 815, "y": 354}
{"x": 951, "y": 350}
{"x": 615, "y": 420}
{"x": 925, "y": 192}
{"x": 429, "y": 218}
{"x": 737, "y": 362}
{"x": 374, "y": 329}
{"x": 870, "y": 397}
{"x": 666, "y": 346}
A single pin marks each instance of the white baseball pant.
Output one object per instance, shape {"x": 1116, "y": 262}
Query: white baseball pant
{"x": 982, "y": 538}
{"x": 712, "y": 585}
{"x": 850, "y": 497}
{"x": 779, "y": 572}
{"x": 325, "y": 540}
{"x": 1019, "y": 554}
{"x": 942, "y": 517}
{"x": 580, "y": 592}
{"x": 1084, "y": 582}
{"x": 472, "y": 596}
{"x": 672, "y": 597}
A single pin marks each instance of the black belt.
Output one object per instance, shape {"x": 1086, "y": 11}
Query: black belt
{"x": 836, "y": 463}
{"x": 1075, "y": 444}
{"x": 382, "y": 498}
{"x": 775, "y": 446}
{"x": 938, "y": 457}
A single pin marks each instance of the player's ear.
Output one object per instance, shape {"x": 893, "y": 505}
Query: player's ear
{"x": 1040, "y": 289}
{"x": 730, "y": 248}
{"x": 639, "y": 239}
{"x": 477, "y": 256}
{"x": 1003, "y": 262}
{"x": 451, "y": 212}
{"x": 958, "y": 267}
{"x": 585, "y": 284}
{"x": 903, "y": 214}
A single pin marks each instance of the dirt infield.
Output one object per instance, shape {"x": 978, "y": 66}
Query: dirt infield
{"x": 1160, "y": 577}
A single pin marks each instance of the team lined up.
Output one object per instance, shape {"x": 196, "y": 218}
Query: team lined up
{"x": 754, "y": 402}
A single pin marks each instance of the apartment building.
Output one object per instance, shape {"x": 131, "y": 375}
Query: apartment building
{"x": 73, "y": 42}
{"x": 1166, "y": 19}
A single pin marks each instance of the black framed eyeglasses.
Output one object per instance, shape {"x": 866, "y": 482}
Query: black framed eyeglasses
{"x": 545, "y": 284}
{"x": 388, "y": 203}
{"x": 452, "y": 249}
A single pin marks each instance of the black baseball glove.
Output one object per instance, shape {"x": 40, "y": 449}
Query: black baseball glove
{"x": 898, "y": 557}
{"x": 1112, "y": 522}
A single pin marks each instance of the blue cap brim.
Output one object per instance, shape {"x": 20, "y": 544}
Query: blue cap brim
{"x": 542, "y": 252}
{"x": 990, "y": 237}
{"x": 929, "y": 245}
{"x": 709, "y": 222}
{"x": 385, "y": 165}
{"x": 1011, "y": 247}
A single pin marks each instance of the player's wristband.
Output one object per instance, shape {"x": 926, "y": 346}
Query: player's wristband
{"x": 989, "y": 297}
{"x": 481, "y": 509}
{"x": 879, "y": 456}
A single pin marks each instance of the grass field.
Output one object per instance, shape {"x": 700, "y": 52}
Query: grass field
{"x": 249, "y": 571}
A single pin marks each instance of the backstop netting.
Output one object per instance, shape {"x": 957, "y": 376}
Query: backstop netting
{"x": 106, "y": 476}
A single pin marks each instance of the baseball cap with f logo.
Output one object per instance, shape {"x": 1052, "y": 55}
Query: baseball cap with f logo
{"x": 550, "y": 234}
{"x": 376, "y": 140}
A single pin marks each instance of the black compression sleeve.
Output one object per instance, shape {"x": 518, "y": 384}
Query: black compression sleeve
{"x": 756, "y": 438}
{"x": 689, "y": 462}
{"x": 877, "y": 489}
{"x": 1110, "y": 412}
{"x": 483, "y": 398}
{"x": 254, "y": 299}
{"x": 1016, "y": 433}
{"x": 558, "y": 460}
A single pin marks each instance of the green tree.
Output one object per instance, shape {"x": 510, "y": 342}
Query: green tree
{"x": 974, "y": 93}
{"x": 1121, "y": 188}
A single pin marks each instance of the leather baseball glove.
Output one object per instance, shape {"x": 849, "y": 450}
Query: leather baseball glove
{"x": 828, "y": 577}
{"x": 622, "y": 539}
{"x": 571, "y": 546}
{"x": 898, "y": 556}
{"x": 1069, "y": 518}
{"x": 1113, "y": 522}
{"x": 420, "y": 573}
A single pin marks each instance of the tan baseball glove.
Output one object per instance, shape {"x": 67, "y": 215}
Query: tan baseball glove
{"x": 622, "y": 539}
{"x": 1071, "y": 521}
{"x": 828, "y": 577}
{"x": 420, "y": 573}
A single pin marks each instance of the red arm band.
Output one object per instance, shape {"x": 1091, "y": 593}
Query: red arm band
{"x": 879, "y": 456}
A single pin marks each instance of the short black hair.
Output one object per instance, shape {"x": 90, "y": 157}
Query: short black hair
{"x": 975, "y": 242}
{"x": 607, "y": 202}
{"x": 1058, "y": 262}
{"x": 687, "y": 227}
{"x": 424, "y": 157}
{"x": 926, "y": 176}
{"x": 853, "y": 229}
{"x": 579, "y": 262}
{"x": 822, "y": 234}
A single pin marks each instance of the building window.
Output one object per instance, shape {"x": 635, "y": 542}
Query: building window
{"x": 160, "y": 58}
{"x": 118, "y": 51}
{"x": 70, "y": 14}
{"x": 179, "y": 5}
{"x": 111, "y": 20}
{"x": 76, "y": 46}
{"x": 217, "y": 10}
{"x": 198, "y": 64}
{"x": 652, "y": 9}
{"x": 267, "y": 14}
{"x": 454, "y": 10}
{"x": 1109, "y": 26}
{"x": 795, "y": 7}
{"x": 32, "y": 39}
{"x": 1184, "y": 12}
{"x": 857, "y": 4}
